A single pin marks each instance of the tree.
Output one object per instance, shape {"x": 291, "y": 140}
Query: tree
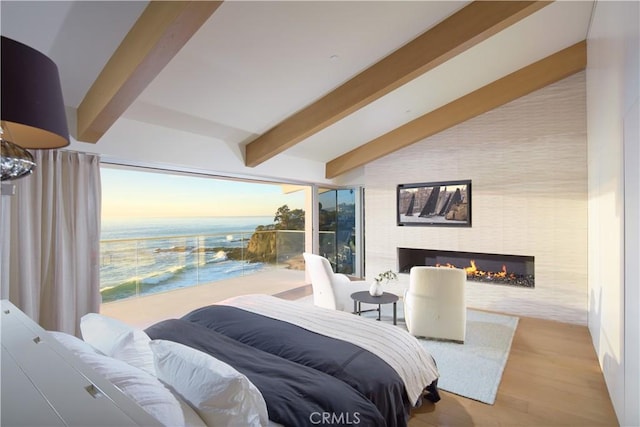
{"x": 287, "y": 219}
{"x": 263, "y": 244}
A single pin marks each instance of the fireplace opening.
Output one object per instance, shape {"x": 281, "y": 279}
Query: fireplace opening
{"x": 511, "y": 270}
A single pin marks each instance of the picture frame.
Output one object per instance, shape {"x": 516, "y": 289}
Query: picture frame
{"x": 440, "y": 204}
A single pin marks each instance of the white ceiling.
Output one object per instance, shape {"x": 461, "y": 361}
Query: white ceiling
{"x": 255, "y": 63}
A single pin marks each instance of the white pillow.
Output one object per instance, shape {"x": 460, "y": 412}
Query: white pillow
{"x": 144, "y": 389}
{"x": 72, "y": 343}
{"x": 117, "y": 339}
{"x": 133, "y": 347}
{"x": 191, "y": 417}
{"x": 102, "y": 331}
{"x": 221, "y": 395}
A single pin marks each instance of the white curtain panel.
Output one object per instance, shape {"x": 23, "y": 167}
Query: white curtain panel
{"x": 53, "y": 239}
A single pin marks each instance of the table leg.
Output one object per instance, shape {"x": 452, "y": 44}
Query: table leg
{"x": 394, "y": 313}
{"x": 359, "y": 308}
{"x": 379, "y": 311}
{"x": 355, "y": 306}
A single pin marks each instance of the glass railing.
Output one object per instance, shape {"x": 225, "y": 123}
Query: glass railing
{"x": 134, "y": 267}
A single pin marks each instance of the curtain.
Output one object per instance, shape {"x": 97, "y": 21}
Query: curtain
{"x": 53, "y": 240}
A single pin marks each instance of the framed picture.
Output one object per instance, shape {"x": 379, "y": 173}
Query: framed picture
{"x": 445, "y": 204}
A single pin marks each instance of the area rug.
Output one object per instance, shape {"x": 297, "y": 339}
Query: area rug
{"x": 473, "y": 369}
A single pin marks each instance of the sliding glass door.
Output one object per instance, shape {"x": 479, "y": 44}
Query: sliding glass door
{"x": 339, "y": 210}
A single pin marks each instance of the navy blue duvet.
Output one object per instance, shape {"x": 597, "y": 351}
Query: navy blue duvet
{"x": 296, "y": 395}
{"x": 359, "y": 368}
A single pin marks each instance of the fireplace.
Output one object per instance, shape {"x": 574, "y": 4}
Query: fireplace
{"x": 511, "y": 270}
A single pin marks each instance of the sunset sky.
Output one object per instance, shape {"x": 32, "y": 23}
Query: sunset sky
{"x": 129, "y": 193}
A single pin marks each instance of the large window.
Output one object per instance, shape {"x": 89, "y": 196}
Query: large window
{"x": 164, "y": 231}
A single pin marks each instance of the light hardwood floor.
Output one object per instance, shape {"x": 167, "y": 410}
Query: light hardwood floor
{"x": 552, "y": 378}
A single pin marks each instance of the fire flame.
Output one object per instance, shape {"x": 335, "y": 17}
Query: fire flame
{"x": 473, "y": 271}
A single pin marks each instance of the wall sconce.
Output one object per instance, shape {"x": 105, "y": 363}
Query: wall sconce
{"x": 32, "y": 110}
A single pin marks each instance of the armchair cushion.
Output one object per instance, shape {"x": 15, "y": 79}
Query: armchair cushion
{"x": 435, "y": 305}
{"x": 331, "y": 290}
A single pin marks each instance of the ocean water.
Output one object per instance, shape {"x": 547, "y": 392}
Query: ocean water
{"x": 144, "y": 256}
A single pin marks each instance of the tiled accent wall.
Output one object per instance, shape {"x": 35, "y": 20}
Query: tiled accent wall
{"x": 528, "y": 164}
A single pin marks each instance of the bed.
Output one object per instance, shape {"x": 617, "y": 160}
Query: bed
{"x": 307, "y": 360}
{"x": 258, "y": 360}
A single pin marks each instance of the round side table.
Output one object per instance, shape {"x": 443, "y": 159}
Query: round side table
{"x": 365, "y": 297}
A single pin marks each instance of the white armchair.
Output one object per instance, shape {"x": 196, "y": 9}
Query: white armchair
{"x": 435, "y": 305}
{"x": 331, "y": 290}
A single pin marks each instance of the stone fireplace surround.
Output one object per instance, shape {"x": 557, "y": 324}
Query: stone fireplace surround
{"x": 527, "y": 161}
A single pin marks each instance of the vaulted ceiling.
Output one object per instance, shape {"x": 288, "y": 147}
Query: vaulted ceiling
{"x": 337, "y": 82}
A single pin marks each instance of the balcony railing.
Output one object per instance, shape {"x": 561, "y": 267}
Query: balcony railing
{"x": 134, "y": 267}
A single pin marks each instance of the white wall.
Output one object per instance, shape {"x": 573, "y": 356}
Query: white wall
{"x": 528, "y": 166}
{"x": 612, "y": 115}
{"x": 137, "y": 143}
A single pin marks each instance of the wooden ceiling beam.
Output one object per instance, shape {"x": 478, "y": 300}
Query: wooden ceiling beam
{"x": 160, "y": 32}
{"x": 462, "y": 30}
{"x": 522, "y": 82}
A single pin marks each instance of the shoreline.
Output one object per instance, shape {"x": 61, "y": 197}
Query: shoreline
{"x": 233, "y": 265}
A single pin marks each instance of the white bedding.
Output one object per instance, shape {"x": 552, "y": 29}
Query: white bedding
{"x": 396, "y": 347}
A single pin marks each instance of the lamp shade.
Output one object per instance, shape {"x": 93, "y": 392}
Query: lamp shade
{"x": 32, "y": 110}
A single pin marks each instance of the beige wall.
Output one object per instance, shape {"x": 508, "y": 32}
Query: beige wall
{"x": 528, "y": 164}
